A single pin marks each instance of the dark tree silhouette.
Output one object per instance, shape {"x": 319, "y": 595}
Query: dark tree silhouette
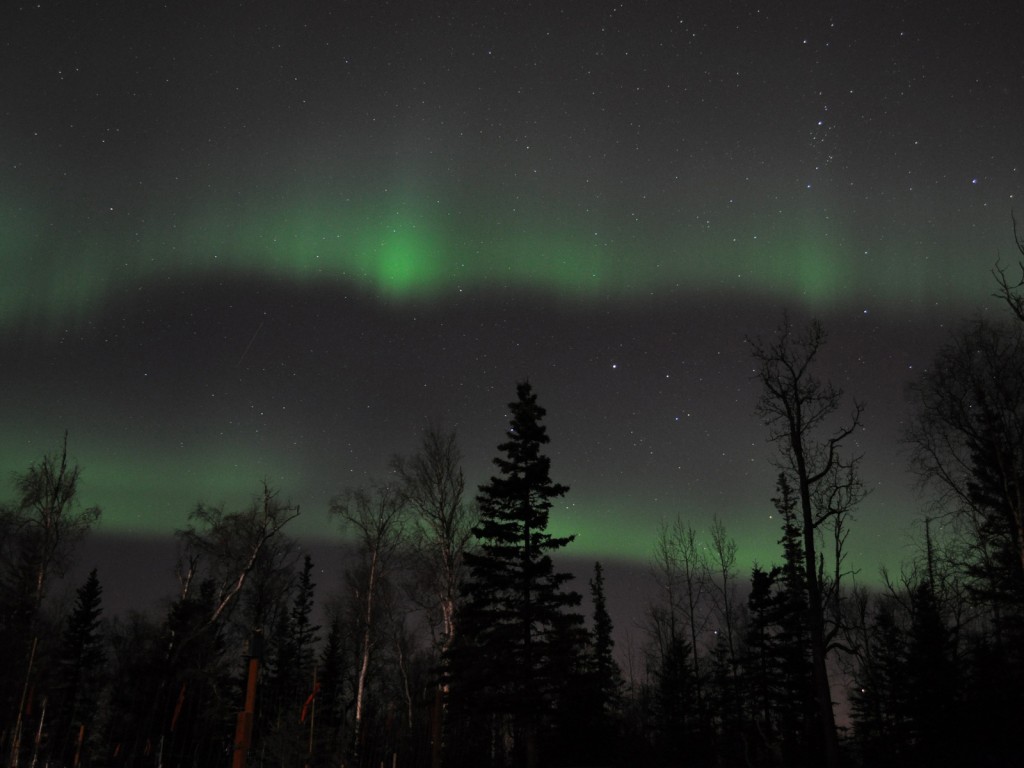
{"x": 933, "y": 684}
{"x": 1009, "y": 290}
{"x": 190, "y": 708}
{"x": 79, "y": 675}
{"x": 761, "y": 676}
{"x": 303, "y": 630}
{"x": 967, "y": 437}
{"x": 378, "y": 520}
{"x": 290, "y": 679}
{"x": 433, "y": 487}
{"x": 878, "y": 696}
{"x": 676, "y": 715}
{"x": 607, "y": 675}
{"x": 137, "y": 654}
{"x": 792, "y": 639}
{"x": 49, "y": 520}
{"x": 38, "y": 536}
{"x": 777, "y": 674}
{"x": 517, "y": 611}
{"x": 588, "y": 705}
{"x": 797, "y": 407}
{"x": 192, "y": 713}
{"x": 729, "y": 701}
{"x": 224, "y": 549}
{"x": 331, "y": 698}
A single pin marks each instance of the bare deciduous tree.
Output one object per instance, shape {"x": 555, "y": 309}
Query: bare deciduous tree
{"x": 723, "y": 551}
{"x": 1008, "y": 290}
{"x": 432, "y": 486}
{"x": 681, "y": 570}
{"x": 227, "y": 547}
{"x": 47, "y": 521}
{"x": 38, "y": 535}
{"x": 967, "y": 440}
{"x": 798, "y": 407}
{"x": 695, "y": 575}
{"x": 377, "y": 519}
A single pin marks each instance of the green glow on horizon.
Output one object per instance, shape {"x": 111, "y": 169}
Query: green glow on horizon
{"x": 169, "y": 483}
{"x": 408, "y": 251}
{"x": 150, "y": 492}
{"x": 622, "y": 529}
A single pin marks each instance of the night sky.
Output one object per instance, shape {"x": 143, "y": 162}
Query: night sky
{"x": 273, "y": 239}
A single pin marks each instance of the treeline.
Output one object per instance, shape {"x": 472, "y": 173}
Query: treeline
{"x": 454, "y": 640}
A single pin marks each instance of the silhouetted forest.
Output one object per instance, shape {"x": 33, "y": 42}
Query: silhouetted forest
{"x": 455, "y": 640}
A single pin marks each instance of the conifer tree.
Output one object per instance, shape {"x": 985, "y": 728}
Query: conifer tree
{"x": 137, "y": 668}
{"x": 291, "y": 668}
{"x": 80, "y": 662}
{"x": 676, "y": 707}
{"x": 933, "y": 695}
{"x": 777, "y": 669}
{"x": 191, "y": 713}
{"x": 792, "y": 638}
{"x": 38, "y": 536}
{"x": 759, "y": 668}
{"x": 608, "y": 676}
{"x": 304, "y": 632}
{"x": 331, "y": 699}
{"x": 517, "y": 611}
{"x": 587, "y": 705}
{"x": 878, "y": 698}
{"x": 303, "y": 640}
{"x": 995, "y": 489}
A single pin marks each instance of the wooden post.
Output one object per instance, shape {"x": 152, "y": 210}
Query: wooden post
{"x": 78, "y": 745}
{"x": 312, "y": 720}
{"x": 16, "y": 741}
{"x": 243, "y": 726}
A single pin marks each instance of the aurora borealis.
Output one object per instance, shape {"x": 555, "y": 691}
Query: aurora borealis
{"x": 273, "y": 240}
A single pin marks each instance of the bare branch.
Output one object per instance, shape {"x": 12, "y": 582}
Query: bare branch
{"x": 796, "y": 406}
{"x": 1009, "y": 291}
{"x": 228, "y": 547}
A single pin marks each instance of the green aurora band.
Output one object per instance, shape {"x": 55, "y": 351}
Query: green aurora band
{"x": 411, "y": 251}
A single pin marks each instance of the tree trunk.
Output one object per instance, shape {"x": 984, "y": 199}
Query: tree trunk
{"x": 816, "y": 623}
{"x": 364, "y": 667}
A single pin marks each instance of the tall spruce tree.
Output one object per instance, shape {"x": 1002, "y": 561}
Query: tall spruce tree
{"x": 80, "y": 661}
{"x": 304, "y": 637}
{"x": 517, "y": 612}
{"x": 796, "y": 708}
{"x": 587, "y": 707}
{"x": 777, "y": 669}
{"x": 760, "y": 672}
{"x": 608, "y": 676}
{"x": 304, "y": 631}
